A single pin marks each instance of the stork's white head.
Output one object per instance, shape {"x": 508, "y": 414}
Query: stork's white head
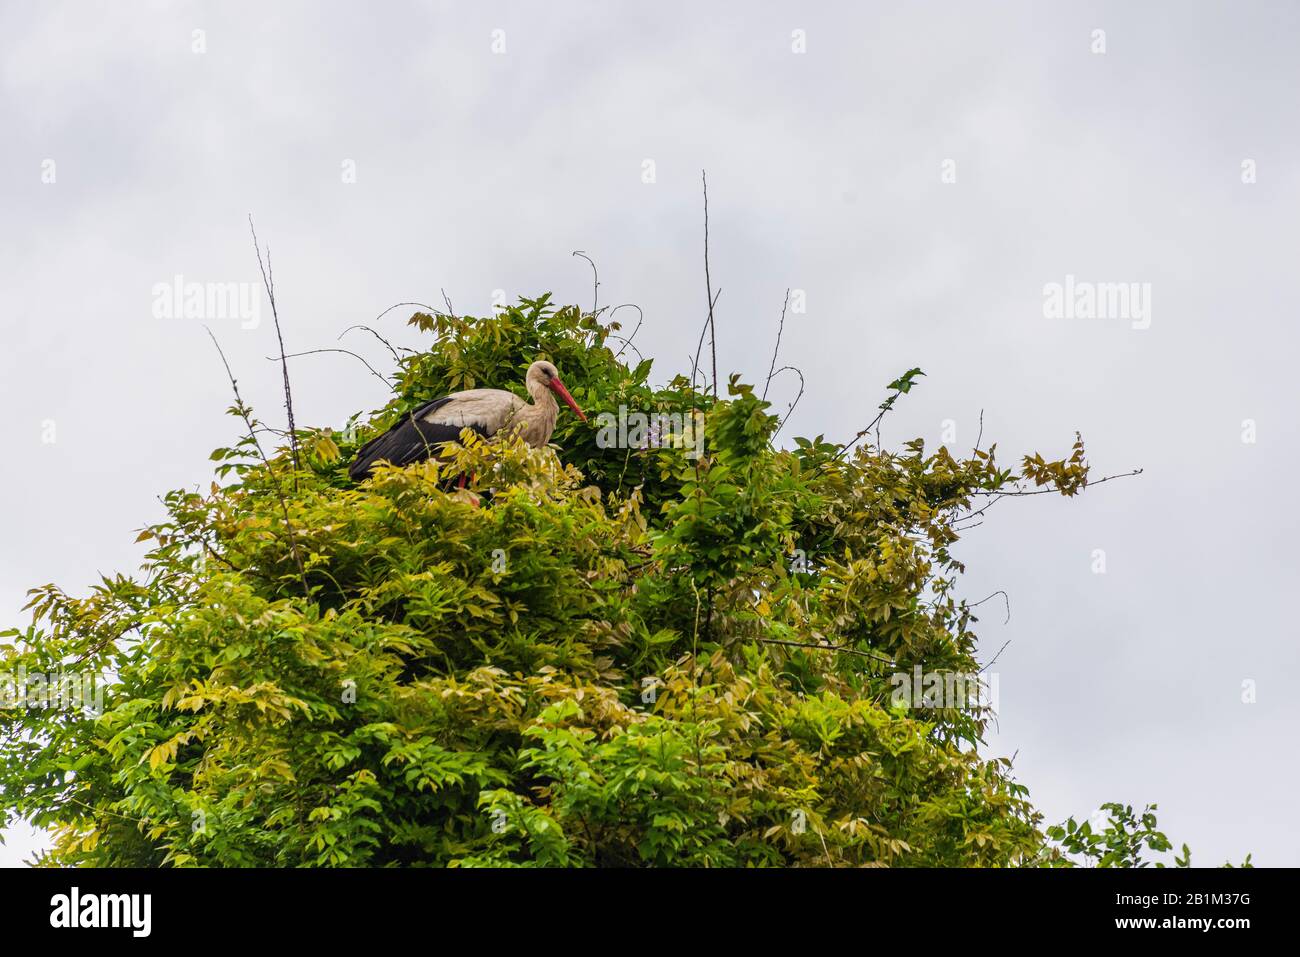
{"x": 543, "y": 375}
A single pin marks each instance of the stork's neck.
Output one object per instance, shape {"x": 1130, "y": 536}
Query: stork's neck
{"x": 543, "y": 397}
{"x": 537, "y": 421}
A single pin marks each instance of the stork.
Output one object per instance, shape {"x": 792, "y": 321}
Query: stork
{"x": 421, "y": 434}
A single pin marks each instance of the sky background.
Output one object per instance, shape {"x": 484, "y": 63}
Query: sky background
{"x": 478, "y": 171}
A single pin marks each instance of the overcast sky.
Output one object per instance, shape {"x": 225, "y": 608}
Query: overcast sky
{"x": 920, "y": 171}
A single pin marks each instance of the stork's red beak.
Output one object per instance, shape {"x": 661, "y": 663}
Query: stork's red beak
{"x": 558, "y": 388}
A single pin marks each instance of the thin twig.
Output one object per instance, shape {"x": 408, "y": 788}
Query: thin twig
{"x": 885, "y": 408}
{"x": 397, "y": 305}
{"x": 790, "y": 409}
{"x": 387, "y": 344}
{"x": 708, "y": 286}
{"x": 996, "y": 657}
{"x": 865, "y": 432}
{"x": 994, "y": 496}
{"x": 694, "y": 377}
{"x": 699, "y": 347}
{"x": 640, "y": 318}
{"x": 626, "y": 344}
{"x": 346, "y": 352}
{"x": 268, "y": 280}
{"x": 257, "y": 444}
{"x": 995, "y": 595}
{"x": 101, "y": 645}
{"x": 595, "y": 278}
{"x": 104, "y": 810}
{"x": 844, "y": 648}
{"x": 1047, "y": 491}
{"x": 777, "y": 351}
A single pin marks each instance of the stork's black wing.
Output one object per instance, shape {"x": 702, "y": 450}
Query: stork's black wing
{"x": 410, "y": 440}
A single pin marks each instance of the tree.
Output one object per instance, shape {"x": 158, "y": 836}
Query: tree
{"x": 626, "y": 653}
{"x": 1119, "y": 840}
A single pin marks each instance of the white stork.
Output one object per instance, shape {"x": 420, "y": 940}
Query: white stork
{"x": 421, "y": 433}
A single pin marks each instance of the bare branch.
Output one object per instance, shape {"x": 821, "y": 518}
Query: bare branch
{"x": 693, "y": 378}
{"x": 640, "y": 318}
{"x": 994, "y": 496}
{"x": 627, "y": 344}
{"x": 790, "y": 409}
{"x": 268, "y": 280}
{"x": 708, "y": 286}
{"x": 396, "y": 358}
{"x": 1048, "y": 491}
{"x": 257, "y": 444}
{"x": 844, "y": 648}
{"x": 595, "y": 278}
{"x": 874, "y": 424}
{"x": 885, "y": 408}
{"x": 777, "y": 351}
{"x": 699, "y": 347}
{"x": 995, "y": 595}
{"x": 346, "y": 352}
{"x": 996, "y": 657}
{"x": 398, "y": 305}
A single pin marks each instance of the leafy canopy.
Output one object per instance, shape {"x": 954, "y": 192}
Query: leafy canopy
{"x": 590, "y": 656}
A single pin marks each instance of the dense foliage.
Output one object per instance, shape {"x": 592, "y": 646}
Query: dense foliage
{"x": 592, "y": 655}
